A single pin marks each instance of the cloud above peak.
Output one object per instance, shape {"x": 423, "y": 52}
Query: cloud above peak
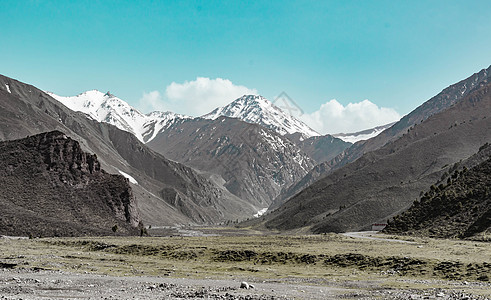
{"x": 196, "y": 97}
{"x": 333, "y": 117}
{"x": 202, "y": 95}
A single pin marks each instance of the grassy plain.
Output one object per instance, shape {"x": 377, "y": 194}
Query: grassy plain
{"x": 316, "y": 259}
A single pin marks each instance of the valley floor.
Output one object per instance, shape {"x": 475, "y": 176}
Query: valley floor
{"x": 213, "y": 265}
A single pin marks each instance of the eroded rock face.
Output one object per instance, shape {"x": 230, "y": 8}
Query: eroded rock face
{"x": 50, "y": 187}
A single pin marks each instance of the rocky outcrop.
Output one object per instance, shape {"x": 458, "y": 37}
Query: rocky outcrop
{"x": 50, "y": 187}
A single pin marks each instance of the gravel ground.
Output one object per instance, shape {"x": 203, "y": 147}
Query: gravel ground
{"x": 29, "y": 284}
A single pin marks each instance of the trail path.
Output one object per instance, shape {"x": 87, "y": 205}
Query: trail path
{"x": 373, "y": 235}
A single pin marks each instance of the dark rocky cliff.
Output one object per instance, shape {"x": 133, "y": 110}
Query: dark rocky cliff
{"x": 50, "y": 187}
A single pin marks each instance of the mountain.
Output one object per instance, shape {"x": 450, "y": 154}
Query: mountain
{"x": 253, "y": 109}
{"x": 166, "y": 192}
{"x": 459, "y": 207}
{"x": 444, "y": 100}
{"x": 362, "y": 135}
{"x": 110, "y": 109}
{"x": 252, "y": 162}
{"x": 385, "y": 182}
{"x": 50, "y": 187}
{"x": 320, "y": 148}
{"x": 258, "y": 110}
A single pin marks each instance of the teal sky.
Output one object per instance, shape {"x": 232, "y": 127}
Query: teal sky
{"x": 397, "y": 54}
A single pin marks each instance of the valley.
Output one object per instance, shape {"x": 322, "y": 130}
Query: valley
{"x": 281, "y": 198}
{"x": 245, "y": 150}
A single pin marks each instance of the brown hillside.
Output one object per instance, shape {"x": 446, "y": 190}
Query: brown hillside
{"x": 444, "y": 100}
{"x": 253, "y": 162}
{"x": 385, "y": 182}
{"x": 460, "y": 207}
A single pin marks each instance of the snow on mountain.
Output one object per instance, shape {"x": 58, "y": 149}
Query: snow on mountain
{"x": 258, "y": 110}
{"x": 110, "y": 109}
{"x": 362, "y": 135}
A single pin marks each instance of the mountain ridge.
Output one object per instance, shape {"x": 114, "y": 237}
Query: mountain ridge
{"x": 105, "y": 107}
{"x": 167, "y": 192}
{"x": 442, "y": 101}
{"x": 386, "y": 181}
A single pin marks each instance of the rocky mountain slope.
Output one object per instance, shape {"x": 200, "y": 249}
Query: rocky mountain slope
{"x": 110, "y": 109}
{"x": 320, "y": 148}
{"x": 458, "y": 206}
{"x": 167, "y": 193}
{"x": 385, "y": 182}
{"x": 50, "y": 187}
{"x": 258, "y": 110}
{"x": 252, "y": 162}
{"x": 444, "y": 100}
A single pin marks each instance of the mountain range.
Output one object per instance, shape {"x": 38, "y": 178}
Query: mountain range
{"x": 281, "y": 151}
{"x": 166, "y": 192}
{"x": 110, "y": 109}
{"x": 249, "y": 156}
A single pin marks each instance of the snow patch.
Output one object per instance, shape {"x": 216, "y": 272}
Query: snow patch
{"x": 8, "y": 88}
{"x": 362, "y": 135}
{"x": 129, "y": 177}
{"x": 261, "y": 212}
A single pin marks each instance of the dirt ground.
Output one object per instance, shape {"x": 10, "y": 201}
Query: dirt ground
{"x": 41, "y": 284}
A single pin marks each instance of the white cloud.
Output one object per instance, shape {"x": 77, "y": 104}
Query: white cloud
{"x": 151, "y": 102}
{"x": 332, "y": 117}
{"x": 196, "y": 97}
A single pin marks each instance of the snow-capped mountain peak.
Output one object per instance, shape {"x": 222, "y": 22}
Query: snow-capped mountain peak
{"x": 257, "y": 109}
{"x": 105, "y": 107}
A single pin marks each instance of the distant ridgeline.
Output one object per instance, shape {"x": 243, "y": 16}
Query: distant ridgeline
{"x": 461, "y": 208}
{"x": 50, "y": 187}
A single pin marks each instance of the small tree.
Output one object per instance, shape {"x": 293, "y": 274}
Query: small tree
{"x": 115, "y": 228}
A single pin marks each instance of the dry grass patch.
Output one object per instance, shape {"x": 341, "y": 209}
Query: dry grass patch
{"x": 330, "y": 256}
